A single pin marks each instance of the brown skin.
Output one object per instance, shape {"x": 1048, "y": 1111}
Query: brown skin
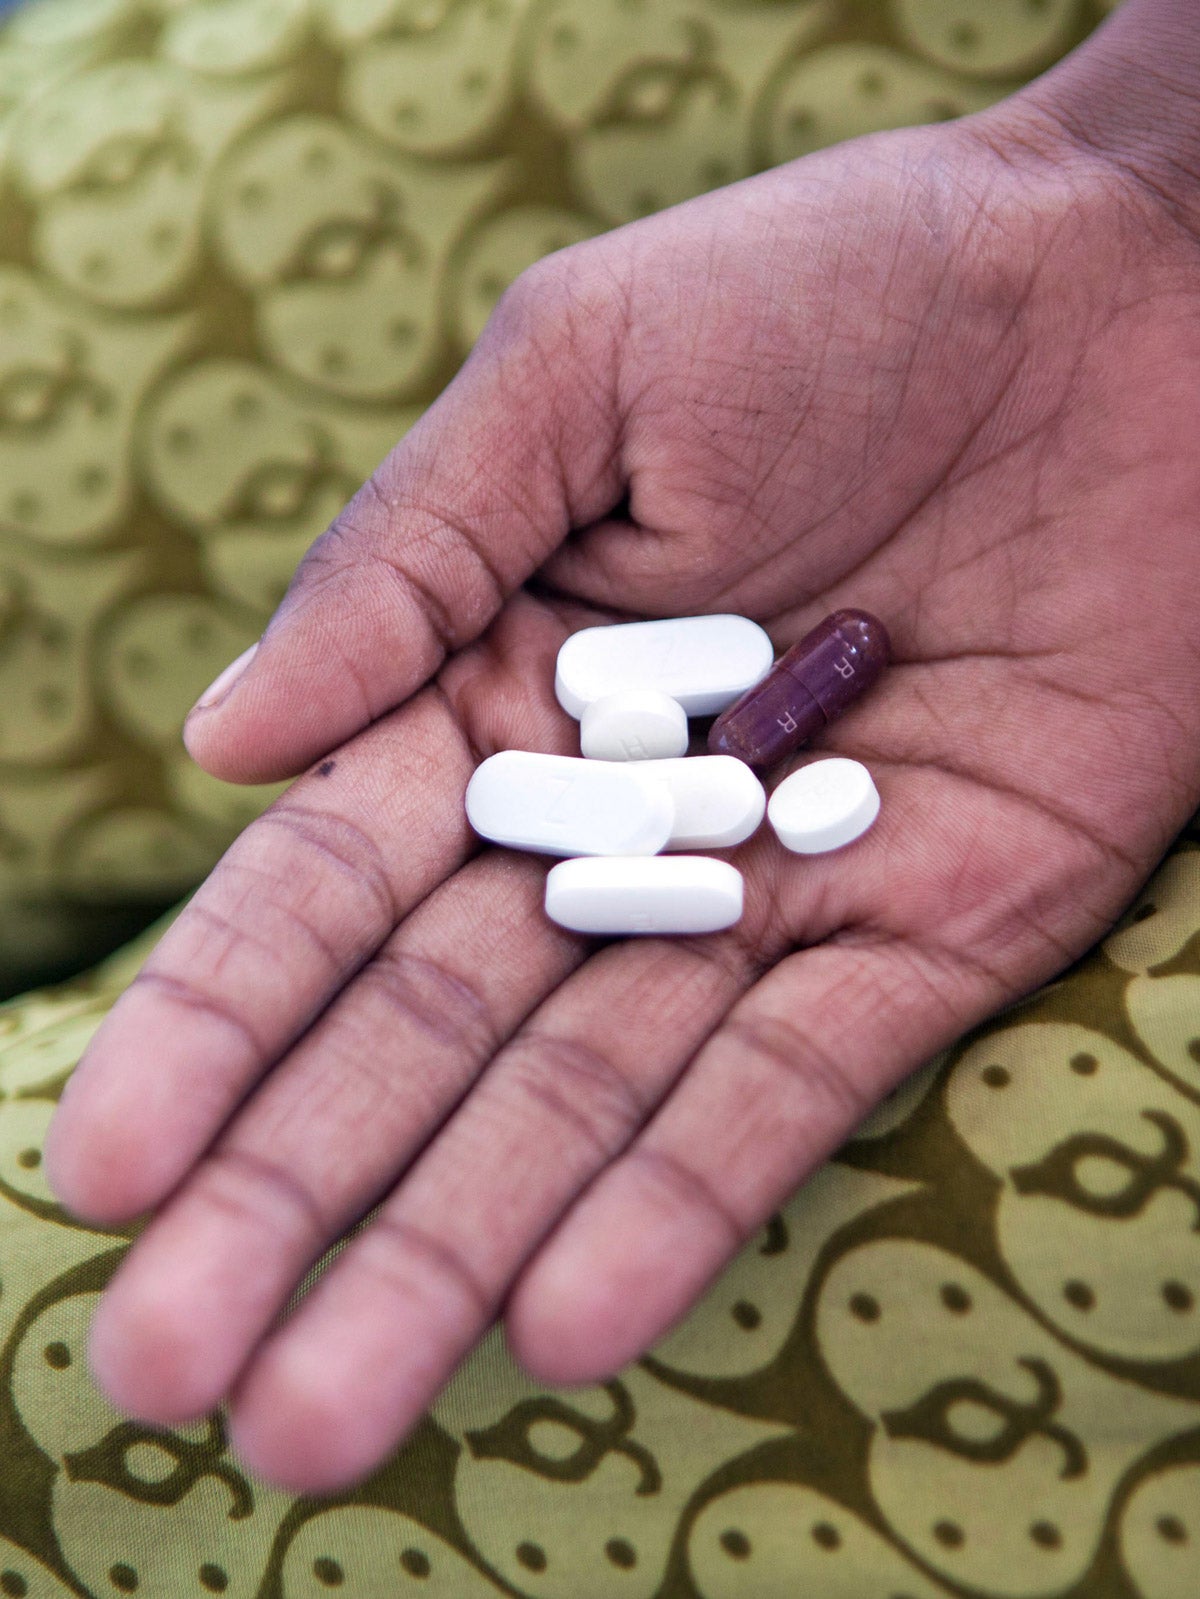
{"x": 949, "y": 375}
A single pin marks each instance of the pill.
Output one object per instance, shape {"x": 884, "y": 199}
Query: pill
{"x": 704, "y": 662}
{"x": 644, "y": 894}
{"x": 564, "y": 805}
{"x": 824, "y": 805}
{"x": 814, "y": 682}
{"x": 718, "y": 801}
{"x": 635, "y": 724}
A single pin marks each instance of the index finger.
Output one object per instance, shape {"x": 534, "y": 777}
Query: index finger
{"x": 295, "y": 906}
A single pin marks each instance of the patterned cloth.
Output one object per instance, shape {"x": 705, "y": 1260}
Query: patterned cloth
{"x": 963, "y": 1358}
{"x": 243, "y": 243}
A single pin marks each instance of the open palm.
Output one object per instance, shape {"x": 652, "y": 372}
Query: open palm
{"x": 910, "y": 375}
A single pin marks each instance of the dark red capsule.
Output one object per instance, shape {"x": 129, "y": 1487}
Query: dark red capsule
{"x": 806, "y": 688}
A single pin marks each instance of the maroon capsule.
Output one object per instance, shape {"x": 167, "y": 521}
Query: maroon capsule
{"x": 815, "y": 681}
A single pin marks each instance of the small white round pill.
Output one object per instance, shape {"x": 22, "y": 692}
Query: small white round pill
{"x": 644, "y": 894}
{"x": 636, "y": 724}
{"x": 823, "y": 806}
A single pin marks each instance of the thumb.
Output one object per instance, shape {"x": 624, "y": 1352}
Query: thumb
{"x": 523, "y": 444}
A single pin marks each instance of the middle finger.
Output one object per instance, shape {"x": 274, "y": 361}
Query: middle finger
{"x": 331, "y": 1391}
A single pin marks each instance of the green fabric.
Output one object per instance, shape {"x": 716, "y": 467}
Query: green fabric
{"x": 242, "y": 244}
{"x": 963, "y": 1358}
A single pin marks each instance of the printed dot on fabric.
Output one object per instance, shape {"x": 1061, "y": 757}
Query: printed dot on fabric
{"x": 213, "y": 1577}
{"x": 955, "y": 1298}
{"x": 1078, "y": 1294}
{"x": 328, "y": 1571}
{"x": 949, "y": 1534}
{"x": 996, "y": 1076}
{"x": 13, "y": 1583}
{"x": 826, "y": 1536}
{"x": 57, "y": 1355}
{"x": 1171, "y": 1529}
{"x": 123, "y": 1577}
{"x": 415, "y": 1562}
{"x": 735, "y": 1543}
{"x": 1177, "y": 1296}
{"x": 1084, "y": 1064}
{"x": 746, "y": 1315}
{"x": 865, "y": 1307}
{"x": 621, "y": 1552}
{"x": 532, "y": 1556}
{"x": 1046, "y": 1535}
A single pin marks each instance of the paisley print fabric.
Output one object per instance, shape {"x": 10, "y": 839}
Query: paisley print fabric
{"x": 963, "y": 1359}
{"x": 242, "y": 244}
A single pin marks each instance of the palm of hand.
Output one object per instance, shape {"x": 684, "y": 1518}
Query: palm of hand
{"x": 941, "y": 409}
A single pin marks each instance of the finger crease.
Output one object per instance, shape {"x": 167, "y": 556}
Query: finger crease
{"x": 433, "y": 608}
{"x": 796, "y": 1056}
{"x": 256, "y": 1174}
{"x": 448, "y": 1263}
{"x": 366, "y": 869}
{"x": 566, "y": 1074}
{"x": 185, "y": 994}
{"x": 687, "y": 1185}
{"x": 435, "y": 1000}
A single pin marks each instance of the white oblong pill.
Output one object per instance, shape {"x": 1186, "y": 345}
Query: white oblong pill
{"x": 824, "y": 805}
{"x": 564, "y": 805}
{"x": 636, "y": 724}
{"x": 644, "y": 894}
{"x": 704, "y": 662}
{"x": 718, "y": 800}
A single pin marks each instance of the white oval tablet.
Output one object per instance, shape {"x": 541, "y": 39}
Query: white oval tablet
{"x": 644, "y": 894}
{"x": 824, "y": 805}
{"x": 704, "y": 662}
{"x": 636, "y": 724}
{"x": 718, "y": 800}
{"x": 563, "y": 805}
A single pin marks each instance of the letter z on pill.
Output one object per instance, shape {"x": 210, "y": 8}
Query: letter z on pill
{"x": 563, "y": 805}
{"x": 823, "y": 806}
{"x": 644, "y": 894}
{"x": 704, "y": 662}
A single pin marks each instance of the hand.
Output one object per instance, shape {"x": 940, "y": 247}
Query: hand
{"x": 947, "y": 375}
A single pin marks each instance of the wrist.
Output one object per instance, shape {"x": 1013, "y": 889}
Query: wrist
{"x": 1130, "y": 95}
